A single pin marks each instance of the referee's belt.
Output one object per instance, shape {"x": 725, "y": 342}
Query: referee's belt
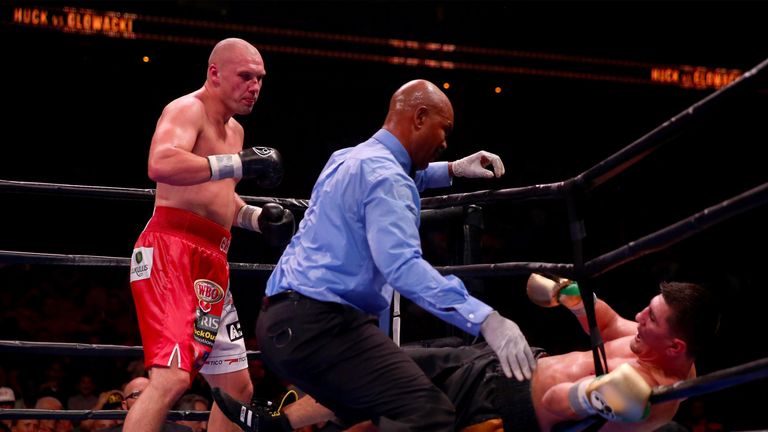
{"x": 272, "y": 300}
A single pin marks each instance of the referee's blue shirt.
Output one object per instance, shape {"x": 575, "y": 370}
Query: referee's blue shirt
{"x": 359, "y": 238}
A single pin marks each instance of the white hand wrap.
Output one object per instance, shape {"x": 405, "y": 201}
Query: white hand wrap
{"x": 248, "y": 218}
{"x": 225, "y": 166}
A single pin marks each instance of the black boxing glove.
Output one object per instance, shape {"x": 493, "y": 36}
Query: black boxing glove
{"x": 262, "y": 163}
{"x": 275, "y": 222}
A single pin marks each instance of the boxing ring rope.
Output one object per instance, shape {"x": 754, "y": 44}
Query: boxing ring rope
{"x": 679, "y": 231}
{"x": 711, "y": 382}
{"x": 66, "y": 348}
{"x": 633, "y": 250}
{"x": 569, "y": 189}
{"x": 41, "y": 414}
{"x": 123, "y": 193}
{"x": 654, "y": 242}
{"x": 16, "y": 257}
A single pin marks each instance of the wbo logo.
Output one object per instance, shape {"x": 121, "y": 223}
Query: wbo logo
{"x": 208, "y": 294}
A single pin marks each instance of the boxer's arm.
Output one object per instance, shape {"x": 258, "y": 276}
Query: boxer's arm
{"x": 272, "y": 220}
{"x": 549, "y": 291}
{"x": 171, "y": 160}
{"x": 440, "y": 174}
{"x": 555, "y": 402}
{"x": 239, "y": 205}
{"x": 262, "y": 163}
{"x": 611, "y": 324}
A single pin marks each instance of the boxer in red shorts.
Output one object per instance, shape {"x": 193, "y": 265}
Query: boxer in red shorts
{"x": 179, "y": 271}
{"x": 194, "y": 249}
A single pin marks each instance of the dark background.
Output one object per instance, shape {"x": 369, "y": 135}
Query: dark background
{"x": 81, "y": 110}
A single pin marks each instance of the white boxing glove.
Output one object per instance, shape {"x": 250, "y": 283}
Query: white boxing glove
{"x": 550, "y": 291}
{"x": 621, "y": 395}
{"x": 473, "y": 166}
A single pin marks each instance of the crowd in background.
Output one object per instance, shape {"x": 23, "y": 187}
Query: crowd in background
{"x": 56, "y": 304}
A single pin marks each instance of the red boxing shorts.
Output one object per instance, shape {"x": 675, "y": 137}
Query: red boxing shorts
{"x": 180, "y": 286}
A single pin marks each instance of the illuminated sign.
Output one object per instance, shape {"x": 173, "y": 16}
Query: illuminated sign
{"x": 76, "y": 20}
{"x": 694, "y": 77}
{"x": 188, "y": 31}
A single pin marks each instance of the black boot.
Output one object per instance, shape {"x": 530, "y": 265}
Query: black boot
{"x": 252, "y": 418}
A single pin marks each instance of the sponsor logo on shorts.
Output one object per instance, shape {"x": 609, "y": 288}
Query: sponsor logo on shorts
{"x": 205, "y": 337}
{"x": 141, "y": 263}
{"x": 207, "y": 322}
{"x": 234, "y": 331}
{"x": 206, "y": 327}
{"x": 228, "y": 361}
{"x": 208, "y": 293}
{"x": 224, "y": 245}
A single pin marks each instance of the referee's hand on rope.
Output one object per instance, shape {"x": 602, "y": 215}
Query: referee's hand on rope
{"x": 509, "y": 344}
{"x": 474, "y": 166}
